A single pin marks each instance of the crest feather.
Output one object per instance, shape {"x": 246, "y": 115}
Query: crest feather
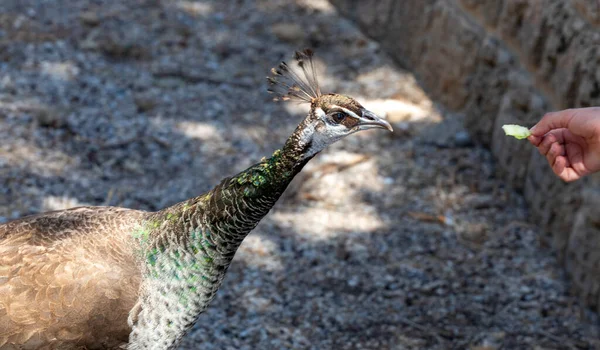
{"x": 287, "y": 84}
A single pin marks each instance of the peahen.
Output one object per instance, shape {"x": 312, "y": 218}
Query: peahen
{"x": 107, "y": 277}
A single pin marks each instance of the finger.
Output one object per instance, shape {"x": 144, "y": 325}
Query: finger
{"x": 574, "y": 153}
{"x": 561, "y": 136}
{"x": 566, "y": 136}
{"x": 556, "y": 150}
{"x": 546, "y": 143}
{"x": 564, "y": 172}
{"x": 553, "y": 120}
{"x": 560, "y": 163}
{"x": 534, "y": 140}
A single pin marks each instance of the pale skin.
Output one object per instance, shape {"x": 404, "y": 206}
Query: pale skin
{"x": 570, "y": 141}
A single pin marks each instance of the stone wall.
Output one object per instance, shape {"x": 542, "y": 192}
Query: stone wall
{"x": 508, "y": 61}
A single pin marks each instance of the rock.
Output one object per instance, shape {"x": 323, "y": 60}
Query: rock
{"x": 401, "y": 129}
{"x": 463, "y": 139}
{"x": 129, "y": 41}
{"x": 144, "y": 102}
{"x": 7, "y": 84}
{"x": 290, "y": 32}
{"x": 47, "y": 117}
{"x": 89, "y": 18}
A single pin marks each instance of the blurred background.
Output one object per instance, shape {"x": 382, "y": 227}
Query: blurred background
{"x": 412, "y": 240}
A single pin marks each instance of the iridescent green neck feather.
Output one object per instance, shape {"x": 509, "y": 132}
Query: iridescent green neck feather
{"x": 185, "y": 249}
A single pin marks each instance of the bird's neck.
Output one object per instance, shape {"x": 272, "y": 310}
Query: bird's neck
{"x": 238, "y": 203}
{"x": 186, "y": 249}
{"x": 235, "y": 206}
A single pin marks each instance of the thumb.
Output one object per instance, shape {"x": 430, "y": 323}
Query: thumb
{"x": 551, "y": 121}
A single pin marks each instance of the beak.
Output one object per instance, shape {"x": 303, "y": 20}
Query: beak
{"x": 370, "y": 120}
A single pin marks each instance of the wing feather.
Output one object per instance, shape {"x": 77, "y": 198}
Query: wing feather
{"x": 68, "y": 278}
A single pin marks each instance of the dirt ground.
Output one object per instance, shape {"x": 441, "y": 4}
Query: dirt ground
{"x": 385, "y": 241}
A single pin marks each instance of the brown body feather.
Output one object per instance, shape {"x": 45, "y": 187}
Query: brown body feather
{"x": 68, "y": 279}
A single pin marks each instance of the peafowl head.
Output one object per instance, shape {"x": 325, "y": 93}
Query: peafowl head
{"x": 331, "y": 116}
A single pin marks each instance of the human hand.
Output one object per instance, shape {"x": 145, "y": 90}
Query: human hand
{"x": 570, "y": 140}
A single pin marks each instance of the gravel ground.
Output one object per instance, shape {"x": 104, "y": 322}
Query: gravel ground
{"x": 400, "y": 241}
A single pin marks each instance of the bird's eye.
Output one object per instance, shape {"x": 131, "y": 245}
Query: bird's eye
{"x": 338, "y": 117}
